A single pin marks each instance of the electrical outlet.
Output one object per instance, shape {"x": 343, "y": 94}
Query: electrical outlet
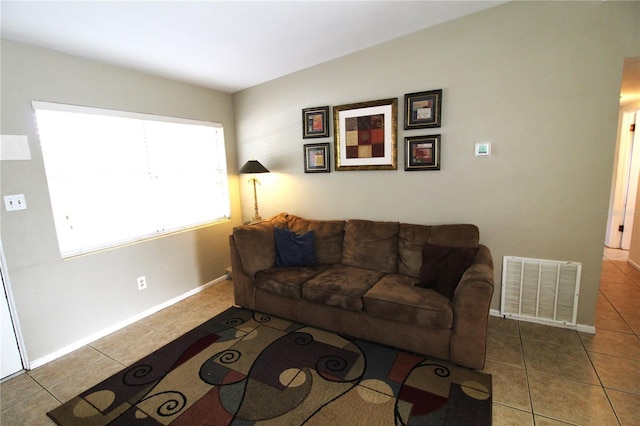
{"x": 142, "y": 282}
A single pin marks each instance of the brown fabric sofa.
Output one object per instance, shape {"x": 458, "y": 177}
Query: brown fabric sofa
{"x": 366, "y": 281}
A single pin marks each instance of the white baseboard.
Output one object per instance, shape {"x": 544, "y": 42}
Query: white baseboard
{"x": 589, "y": 329}
{"x": 634, "y": 264}
{"x": 578, "y": 327}
{"x": 100, "y": 334}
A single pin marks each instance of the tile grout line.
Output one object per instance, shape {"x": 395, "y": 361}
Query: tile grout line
{"x": 42, "y": 388}
{"x": 604, "y": 390}
{"x": 601, "y": 385}
{"x": 47, "y": 388}
{"x": 526, "y": 375}
{"x": 526, "y": 370}
{"x": 633, "y": 281}
{"x": 53, "y": 396}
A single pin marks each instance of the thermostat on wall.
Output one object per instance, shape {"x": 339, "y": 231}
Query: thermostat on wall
{"x": 483, "y": 149}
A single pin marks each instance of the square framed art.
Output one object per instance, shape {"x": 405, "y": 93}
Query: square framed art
{"x": 365, "y": 135}
{"x": 423, "y": 109}
{"x": 317, "y": 158}
{"x": 315, "y": 122}
{"x": 422, "y": 153}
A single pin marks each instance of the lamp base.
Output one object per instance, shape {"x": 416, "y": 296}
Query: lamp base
{"x": 257, "y": 217}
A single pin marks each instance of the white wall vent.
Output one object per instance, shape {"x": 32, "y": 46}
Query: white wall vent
{"x": 542, "y": 291}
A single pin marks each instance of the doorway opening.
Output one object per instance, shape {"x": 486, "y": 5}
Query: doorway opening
{"x": 622, "y": 209}
{"x": 617, "y": 307}
{"x": 624, "y": 187}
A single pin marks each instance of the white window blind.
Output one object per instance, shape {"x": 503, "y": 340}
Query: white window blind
{"x": 115, "y": 177}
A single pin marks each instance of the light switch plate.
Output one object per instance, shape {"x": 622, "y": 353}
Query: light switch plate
{"x": 483, "y": 149}
{"x": 15, "y": 202}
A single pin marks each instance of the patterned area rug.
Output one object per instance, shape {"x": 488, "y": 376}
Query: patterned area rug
{"x": 246, "y": 368}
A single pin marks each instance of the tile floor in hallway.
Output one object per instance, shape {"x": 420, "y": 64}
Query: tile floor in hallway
{"x": 541, "y": 375}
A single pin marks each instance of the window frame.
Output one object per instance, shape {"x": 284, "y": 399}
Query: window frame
{"x": 219, "y": 176}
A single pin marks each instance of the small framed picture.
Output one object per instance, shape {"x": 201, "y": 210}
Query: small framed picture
{"x": 316, "y": 158}
{"x": 315, "y": 123}
{"x": 422, "y": 153}
{"x": 423, "y": 109}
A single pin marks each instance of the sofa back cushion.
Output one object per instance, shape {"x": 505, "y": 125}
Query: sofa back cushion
{"x": 457, "y": 235}
{"x": 329, "y": 235}
{"x": 371, "y": 245}
{"x": 411, "y": 239}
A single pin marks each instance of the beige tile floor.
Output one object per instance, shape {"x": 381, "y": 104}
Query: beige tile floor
{"x": 541, "y": 375}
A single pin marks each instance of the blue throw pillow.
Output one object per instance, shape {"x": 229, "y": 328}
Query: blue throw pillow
{"x": 294, "y": 250}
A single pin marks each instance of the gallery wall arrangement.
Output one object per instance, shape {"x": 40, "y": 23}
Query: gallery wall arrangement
{"x": 365, "y": 134}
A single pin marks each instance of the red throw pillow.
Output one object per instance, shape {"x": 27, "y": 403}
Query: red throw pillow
{"x": 442, "y": 267}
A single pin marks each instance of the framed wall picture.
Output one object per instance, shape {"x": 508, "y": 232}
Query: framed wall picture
{"x": 315, "y": 122}
{"x": 422, "y": 153}
{"x": 423, "y": 109}
{"x": 317, "y": 158}
{"x": 365, "y": 135}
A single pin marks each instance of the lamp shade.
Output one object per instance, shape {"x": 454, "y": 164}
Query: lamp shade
{"x": 253, "y": 166}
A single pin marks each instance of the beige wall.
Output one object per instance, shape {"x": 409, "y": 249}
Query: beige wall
{"x": 62, "y": 302}
{"x": 539, "y": 80}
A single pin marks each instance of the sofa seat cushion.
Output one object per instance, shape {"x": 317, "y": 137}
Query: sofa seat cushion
{"x": 396, "y": 297}
{"x": 287, "y": 281}
{"x": 340, "y": 285}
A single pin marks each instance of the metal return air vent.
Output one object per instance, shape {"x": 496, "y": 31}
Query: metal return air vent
{"x": 542, "y": 291}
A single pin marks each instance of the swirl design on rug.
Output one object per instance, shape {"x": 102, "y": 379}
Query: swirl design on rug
{"x": 138, "y": 375}
{"x": 167, "y": 403}
{"x": 232, "y": 322}
{"x": 329, "y": 365}
{"x": 302, "y": 338}
{"x": 261, "y": 318}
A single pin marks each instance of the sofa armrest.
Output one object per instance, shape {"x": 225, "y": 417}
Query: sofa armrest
{"x": 471, "y": 304}
{"x": 243, "y": 285}
{"x": 256, "y": 246}
{"x": 252, "y": 250}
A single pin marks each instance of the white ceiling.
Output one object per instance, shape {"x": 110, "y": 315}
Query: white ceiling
{"x": 225, "y": 45}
